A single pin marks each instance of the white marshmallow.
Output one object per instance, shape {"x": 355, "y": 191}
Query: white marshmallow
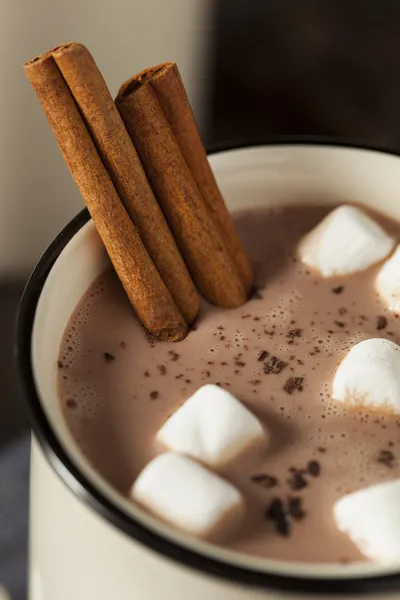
{"x": 212, "y": 427}
{"x": 371, "y": 518}
{"x": 369, "y": 375}
{"x": 388, "y": 281}
{"x": 346, "y": 241}
{"x": 188, "y": 496}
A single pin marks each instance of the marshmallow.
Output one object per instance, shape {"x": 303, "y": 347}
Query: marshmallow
{"x": 346, "y": 241}
{"x": 188, "y": 496}
{"x": 371, "y": 518}
{"x": 388, "y": 281}
{"x": 369, "y": 375}
{"x": 212, "y": 427}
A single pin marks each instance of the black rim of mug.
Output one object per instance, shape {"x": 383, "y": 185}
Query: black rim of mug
{"x": 87, "y": 493}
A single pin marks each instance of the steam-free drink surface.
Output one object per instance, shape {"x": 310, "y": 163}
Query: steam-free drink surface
{"x": 118, "y": 386}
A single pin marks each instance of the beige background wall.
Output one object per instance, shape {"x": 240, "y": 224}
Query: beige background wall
{"x": 37, "y": 194}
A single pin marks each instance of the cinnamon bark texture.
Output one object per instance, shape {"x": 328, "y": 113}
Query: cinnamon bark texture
{"x": 171, "y": 94}
{"x": 119, "y": 156}
{"x": 144, "y": 286}
{"x": 211, "y": 264}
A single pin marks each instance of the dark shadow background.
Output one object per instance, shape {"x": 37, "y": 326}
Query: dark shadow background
{"x": 320, "y": 67}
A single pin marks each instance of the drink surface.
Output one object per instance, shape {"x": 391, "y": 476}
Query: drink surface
{"x": 118, "y": 386}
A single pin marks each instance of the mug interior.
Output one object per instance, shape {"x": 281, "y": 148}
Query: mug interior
{"x": 252, "y": 177}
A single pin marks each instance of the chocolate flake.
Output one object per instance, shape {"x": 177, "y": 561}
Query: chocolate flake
{"x": 108, "y": 357}
{"x": 174, "y": 355}
{"x": 277, "y": 513}
{"x": 292, "y": 384}
{"x": 294, "y": 333}
{"x": 154, "y": 395}
{"x": 274, "y": 365}
{"x": 221, "y": 327}
{"x": 147, "y": 373}
{"x": 314, "y": 468}
{"x": 162, "y": 369}
{"x": 387, "y": 458}
{"x": 60, "y": 364}
{"x": 206, "y": 373}
{"x": 381, "y": 323}
{"x": 275, "y": 510}
{"x": 284, "y": 526}
{"x": 340, "y": 324}
{"x": 263, "y": 355}
{"x": 342, "y": 311}
{"x": 71, "y": 403}
{"x": 255, "y": 381}
{"x": 321, "y": 449}
{"x": 297, "y": 481}
{"x": 224, "y": 363}
{"x": 338, "y": 290}
{"x": 295, "y": 508}
{"x": 264, "y": 480}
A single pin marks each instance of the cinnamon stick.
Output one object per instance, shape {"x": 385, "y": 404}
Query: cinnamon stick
{"x": 146, "y": 290}
{"x": 210, "y": 263}
{"x": 171, "y": 94}
{"x": 117, "y": 152}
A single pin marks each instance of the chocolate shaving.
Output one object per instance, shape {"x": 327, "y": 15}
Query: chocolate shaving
{"x": 174, "y": 355}
{"x": 381, "y": 323}
{"x": 162, "y": 369}
{"x": 276, "y": 512}
{"x": 292, "y": 384}
{"x": 264, "y": 480}
{"x": 297, "y": 482}
{"x": 284, "y": 526}
{"x": 255, "y": 381}
{"x": 340, "y": 324}
{"x": 154, "y": 395}
{"x": 387, "y": 458}
{"x": 314, "y": 468}
{"x": 275, "y": 365}
{"x": 294, "y": 333}
{"x": 338, "y": 290}
{"x": 108, "y": 357}
{"x": 342, "y": 310}
{"x": 60, "y": 365}
{"x": 147, "y": 373}
{"x": 263, "y": 355}
{"x": 295, "y": 508}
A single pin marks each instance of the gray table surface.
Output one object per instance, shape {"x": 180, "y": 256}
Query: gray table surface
{"x": 14, "y": 487}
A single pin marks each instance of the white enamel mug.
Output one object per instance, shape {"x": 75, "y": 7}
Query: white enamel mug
{"x": 86, "y": 540}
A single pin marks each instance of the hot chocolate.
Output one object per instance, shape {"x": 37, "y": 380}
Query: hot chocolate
{"x": 278, "y": 354}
